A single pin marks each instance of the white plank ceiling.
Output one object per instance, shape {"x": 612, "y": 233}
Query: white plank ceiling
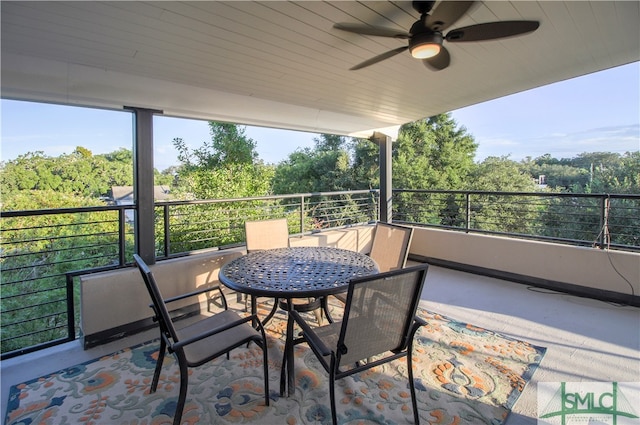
{"x": 281, "y": 64}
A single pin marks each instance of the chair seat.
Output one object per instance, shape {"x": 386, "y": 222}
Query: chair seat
{"x": 204, "y": 350}
{"x": 329, "y": 334}
{"x": 365, "y": 347}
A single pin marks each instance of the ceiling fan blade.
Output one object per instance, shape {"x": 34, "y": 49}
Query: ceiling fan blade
{"x": 369, "y": 30}
{"x": 379, "y": 58}
{"x": 439, "y": 61}
{"x": 446, "y": 14}
{"x": 492, "y": 30}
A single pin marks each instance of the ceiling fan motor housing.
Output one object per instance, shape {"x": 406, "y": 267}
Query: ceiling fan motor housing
{"x": 425, "y": 44}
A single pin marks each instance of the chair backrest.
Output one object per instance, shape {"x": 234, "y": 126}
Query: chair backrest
{"x": 159, "y": 306}
{"x": 379, "y": 313}
{"x": 390, "y": 247}
{"x": 267, "y": 234}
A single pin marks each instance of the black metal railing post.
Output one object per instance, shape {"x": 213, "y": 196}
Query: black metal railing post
{"x": 71, "y": 312}
{"x": 167, "y": 230}
{"x": 122, "y": 240}
{"x": 302, "y": 214}
{"x": 467, "y": 213}
{"x": 600, "y": 237}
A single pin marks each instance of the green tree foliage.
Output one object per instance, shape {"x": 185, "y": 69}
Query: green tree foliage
{"x": 431, "y": 154}
{"x": 604, "y": 172}
{"x": 225, "y": 167}
{"x": 366, "y": 164}
{"x": 557, "y": 173}
{"x": 325, "y": 168}
{"x": 230, "y": 181}
{"x": 328, "y": 167}
{"x": 492, "y": 212}
{"x": 499, "y": 174}
{"x": 38, "y": 250}
{"x": 228, "y": 145}
{"x": 595, "y": 172}
{"x": 44, "y": 199}
{"x": 166, "y": 177}
{"x": 629, "y": 174}
{"x": 611, "y": 172}
{"x": 21, "y": 173}
{"x": 79, "y": 173}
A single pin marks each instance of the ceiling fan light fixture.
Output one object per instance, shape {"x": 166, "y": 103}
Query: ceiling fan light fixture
{"x": 424, "y": 46}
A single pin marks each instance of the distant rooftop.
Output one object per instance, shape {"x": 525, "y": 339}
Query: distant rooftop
{"x": 123, "y": 195}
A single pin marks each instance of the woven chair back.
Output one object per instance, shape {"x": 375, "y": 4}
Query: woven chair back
{"x": 267, "y": 234}
{"x": 390, "y": 247}
{"x": 379, "y": 313}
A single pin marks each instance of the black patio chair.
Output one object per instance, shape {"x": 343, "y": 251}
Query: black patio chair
{"x": 378, "y": 326}
{"x": 201, "y": 341}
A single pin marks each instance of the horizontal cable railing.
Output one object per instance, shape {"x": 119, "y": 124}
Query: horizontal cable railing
{"x": 37, "y": 250}
{"x": 598, "y": 220}
{"x": 42, "y": 251}
{"x": 191, "y": 225}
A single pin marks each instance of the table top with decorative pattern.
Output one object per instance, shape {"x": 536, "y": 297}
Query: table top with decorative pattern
{"x": 296, "y": 272}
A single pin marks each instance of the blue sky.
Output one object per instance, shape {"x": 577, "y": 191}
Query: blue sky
{"x": 597, "y": 112}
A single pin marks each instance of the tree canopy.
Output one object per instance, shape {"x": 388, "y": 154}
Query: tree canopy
{"x": 432, "y": 153}
{"x": 327, "y": 167}
{"x": 227, "y": 166}
{"x": 80, "y": 173}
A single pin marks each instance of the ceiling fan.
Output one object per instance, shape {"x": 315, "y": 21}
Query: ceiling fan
{"x": 426, "y": 34}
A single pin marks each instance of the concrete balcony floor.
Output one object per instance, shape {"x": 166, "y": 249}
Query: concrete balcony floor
{"x": 587, "y": 340}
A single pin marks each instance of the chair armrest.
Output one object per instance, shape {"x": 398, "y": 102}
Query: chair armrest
{"x": 191, "y": 294}
{"x": 212, "y": 332}
{"x": 183, "y": 296}
{"x": 309, "y": 335}
{"x": 420, "y": 321}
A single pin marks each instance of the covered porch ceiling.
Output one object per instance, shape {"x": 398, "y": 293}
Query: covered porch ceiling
{"x": 283, "y": 65}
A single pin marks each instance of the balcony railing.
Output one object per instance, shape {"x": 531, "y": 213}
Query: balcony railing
{"x": 598, "y": 220}
{"x": 190, "y": 225}
{"x": 43, "y": 251}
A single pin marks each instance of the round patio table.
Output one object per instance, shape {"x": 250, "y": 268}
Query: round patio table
{"x": 295, "y": 272}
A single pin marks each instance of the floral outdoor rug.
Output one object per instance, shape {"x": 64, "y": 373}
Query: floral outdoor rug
{"x": 464, "y": 375}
